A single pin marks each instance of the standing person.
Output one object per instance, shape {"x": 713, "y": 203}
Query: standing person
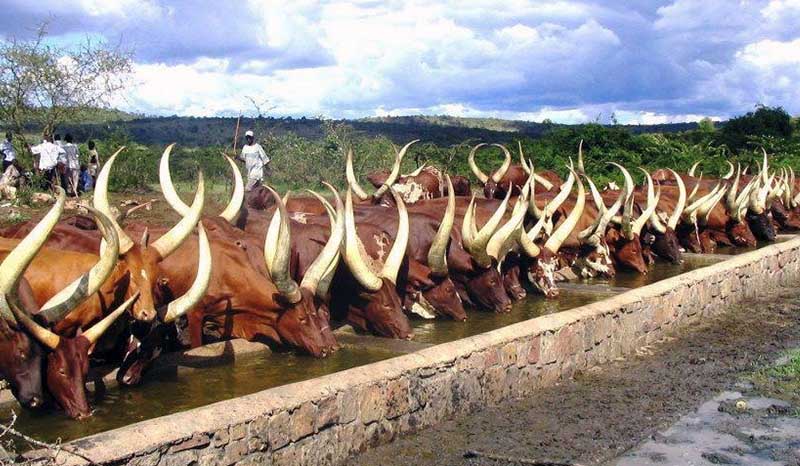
{"x": 94, "y": 160}
{"x": 61, "y": 164}
{"x": 72, "y": 169}
{"x": 255, "y": 159}
{"x": 8, "y": 152}
{"x": 46, "y": 156}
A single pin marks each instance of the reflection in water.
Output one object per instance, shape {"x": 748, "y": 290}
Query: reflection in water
{"x": 731, "y": 250}
{"x": 657, "y": 272}
{"x": 163, "y": 394}
{"x": 429, "y": 331}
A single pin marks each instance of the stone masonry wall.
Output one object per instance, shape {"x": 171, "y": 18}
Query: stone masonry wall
{"x": 324, "y": 421}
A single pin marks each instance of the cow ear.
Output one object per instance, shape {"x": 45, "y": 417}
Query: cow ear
{"x": 145, "y": 238}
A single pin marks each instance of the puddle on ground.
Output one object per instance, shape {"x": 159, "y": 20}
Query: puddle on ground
{"x": 167, "y": 393}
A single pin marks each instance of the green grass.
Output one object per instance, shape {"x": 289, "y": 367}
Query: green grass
{"x": 781, "y": 381}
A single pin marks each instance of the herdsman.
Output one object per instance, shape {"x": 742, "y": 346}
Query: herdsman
{"x": 255, "y": 159}
{"x": 73, "y": 166}
{"x": 46, "y": 157}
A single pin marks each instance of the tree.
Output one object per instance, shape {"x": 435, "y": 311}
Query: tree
{"x": 44, "y": 85}
{"x": 765, "y": 121}
{"x": 706, "y": 125}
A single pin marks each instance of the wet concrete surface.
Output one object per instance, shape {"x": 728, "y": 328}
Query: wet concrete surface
{"x": 732, "y": 428}
{"x": 607, "y": 411}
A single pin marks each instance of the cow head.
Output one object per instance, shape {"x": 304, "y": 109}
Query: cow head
{"x": 377, "y": 306}
{"x": 302, "y": 325}
{"x": 142, "y": 259}
{"x": 543, "y": 262}
{"x": 491, "y": 187}
{"x": 595, "y": 260}
{"x": 428, "y": 295}
{"x": 666, "y": 245}
{"x": 21, "y": 364}
{"x": 511, "y": 279}
{"x": 142, "y": 351}
{"x": 68, "y": 359}
{"x": 741, "y": 234}
{"x": 628, "y": 251}
{"x": 486, "y": 289}
{"x": 761, "y": 225}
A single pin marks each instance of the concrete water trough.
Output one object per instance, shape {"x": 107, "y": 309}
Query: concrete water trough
{"x": 237, "y": 401}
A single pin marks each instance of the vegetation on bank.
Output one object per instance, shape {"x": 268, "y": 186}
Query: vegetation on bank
{"x": 300, "y": 162}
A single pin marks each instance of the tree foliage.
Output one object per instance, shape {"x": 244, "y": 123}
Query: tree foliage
{"x": 44, "y": 85}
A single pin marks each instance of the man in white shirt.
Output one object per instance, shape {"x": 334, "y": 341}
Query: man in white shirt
{"x": 8, "y": 152}
{"x": 255, "y": 159}
{"x": 73, "y": 166}
{"x": 46, "y": 157}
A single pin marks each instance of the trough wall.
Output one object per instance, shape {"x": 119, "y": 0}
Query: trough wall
{"x": 326, "y": 420}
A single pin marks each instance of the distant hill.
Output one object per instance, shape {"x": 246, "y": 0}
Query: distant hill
{"x": 442, "y": 130}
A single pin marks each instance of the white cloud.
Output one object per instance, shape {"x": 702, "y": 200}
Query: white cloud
{"x": 567, "y": 61}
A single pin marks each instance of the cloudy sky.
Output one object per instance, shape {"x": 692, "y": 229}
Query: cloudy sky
{"x": 569, "y": 61}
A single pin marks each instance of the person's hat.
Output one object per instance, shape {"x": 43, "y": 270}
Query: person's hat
{"x": 248, "y": 133}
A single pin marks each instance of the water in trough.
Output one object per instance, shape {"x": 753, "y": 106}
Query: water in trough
{"x": 168, "y": 392}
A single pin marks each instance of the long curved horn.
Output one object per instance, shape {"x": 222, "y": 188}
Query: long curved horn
{"x": 45, "y": 336}
{"x": 501, "y": 172}
{"x": 522, "y": 159}
{"x": 562, "y": 195}
{"x": 100, "y": 201}
{"x": 167, "y": 187}
{"x": 237, "y": 198}
{"x": 705, "y": 209}
{"x": 330, "y": 252}
{"x": 391, "y": 266}
{"x": 483, "y": 235}
{"x": 581, "y": 169}
{"x": 15, "y": 263}
{"x": 279, "y": 268}
{"x": 562, "y": 232}
{"x": 199, "y": 286}
{"x": 171, "y": 240}
{"x": 395, "y": 173}
{"x": 437, "y": 254}
{"x": 352, "y": 250}
{"x": 627, "y": 210}
{"x": 533, "y": 209}
{"x": 481, "y": 176}
{"x": 499, "y": 245}
{"x": 765, "y": 167}
{"x": 594, "y": 234}
{"x": 273, "y": 232}
{"x": 652, "y": 200}
{"x": 694, "y": 167}
{"x": 177, "y": 204}
{"x": 676, "y": 214}
{"x": 728, "y": 175}
{"x": 652, "y": 203}
{"x": 730, "y": 198}
{"x": 417, "y": 171}
{"x": 97, "y": 330}
{"x": 88, "y": 283}
{"x": 351, "y": 177}
{"x": 696, "y": 187}
{"x": 689, "y": 214}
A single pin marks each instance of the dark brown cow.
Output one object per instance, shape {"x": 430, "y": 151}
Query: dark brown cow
{"x": 509, "y": 177}
{"x": 65, "y": 289}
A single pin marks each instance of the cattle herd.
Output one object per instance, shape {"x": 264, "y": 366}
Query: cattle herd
{"x": 81, "y": 291}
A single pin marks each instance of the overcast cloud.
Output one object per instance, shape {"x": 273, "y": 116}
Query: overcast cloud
{"x": 570, "y": 61}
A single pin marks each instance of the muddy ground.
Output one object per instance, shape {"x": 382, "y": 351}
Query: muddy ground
{"x": 609, "y": 410}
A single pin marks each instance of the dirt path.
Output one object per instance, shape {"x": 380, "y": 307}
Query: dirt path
{"x": 607, "y": 411}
